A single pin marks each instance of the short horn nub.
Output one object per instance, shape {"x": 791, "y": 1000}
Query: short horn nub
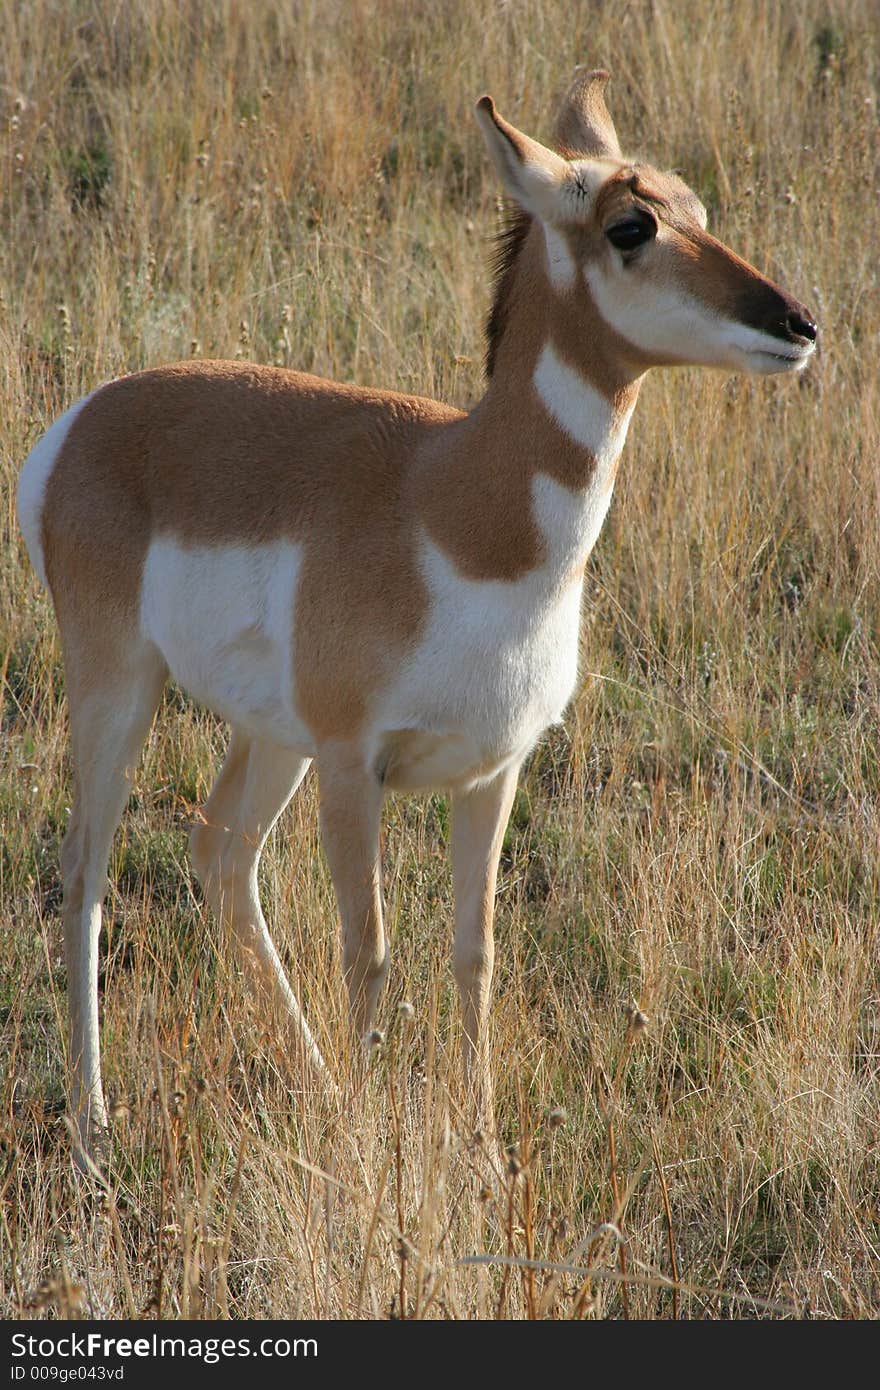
{"x": 584, "y": 127}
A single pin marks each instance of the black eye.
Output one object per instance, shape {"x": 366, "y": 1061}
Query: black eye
{"x": 634, "y": 232}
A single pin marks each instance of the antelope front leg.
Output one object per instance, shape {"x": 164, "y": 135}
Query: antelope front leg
{"x": 351, "y": 807}
{"x": 479, "y": 817}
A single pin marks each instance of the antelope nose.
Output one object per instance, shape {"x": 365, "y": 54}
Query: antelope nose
{"x": 801, "y": 326}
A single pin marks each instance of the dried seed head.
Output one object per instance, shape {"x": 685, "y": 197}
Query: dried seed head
{"x": 405, "y": 1012}
{"x": 514, "y": 1162}
{"x": 375, "y": 1039}
{"x": 557, "y": 1117}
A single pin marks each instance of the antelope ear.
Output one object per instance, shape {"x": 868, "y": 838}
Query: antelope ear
{"x": 531, "y": 174}
{"x": 583, "y": 126}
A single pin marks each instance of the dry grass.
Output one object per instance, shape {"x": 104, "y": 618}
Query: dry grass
{"x": 304, "y": 183}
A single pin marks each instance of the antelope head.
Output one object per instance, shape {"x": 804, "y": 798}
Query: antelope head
{"x": 634, "y": 240}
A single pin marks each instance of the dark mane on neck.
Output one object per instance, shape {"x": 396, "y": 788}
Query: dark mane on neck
{"x": 509, "y": 241}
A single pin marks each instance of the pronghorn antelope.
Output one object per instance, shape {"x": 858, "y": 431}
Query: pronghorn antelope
{"x": 374, "y": 581}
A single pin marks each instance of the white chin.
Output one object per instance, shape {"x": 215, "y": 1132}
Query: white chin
{"x": 768, "y": 363}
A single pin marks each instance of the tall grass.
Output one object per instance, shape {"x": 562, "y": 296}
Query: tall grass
{"x": 686, "y": 1025}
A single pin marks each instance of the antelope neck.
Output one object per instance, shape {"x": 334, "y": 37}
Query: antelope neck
{"x": 524, "y": 476}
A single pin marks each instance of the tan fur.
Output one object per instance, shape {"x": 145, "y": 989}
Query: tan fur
{"x": 584, "y": 126}
{"x": 702, "y": 265}
{"x": 214, "y": 454}
{"x": 260, "y": 453}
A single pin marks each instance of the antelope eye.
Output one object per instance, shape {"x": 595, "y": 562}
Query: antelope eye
{"x": 634, "y": 232}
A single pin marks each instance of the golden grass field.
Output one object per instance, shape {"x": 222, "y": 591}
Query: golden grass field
{"x": 304, "y": 183}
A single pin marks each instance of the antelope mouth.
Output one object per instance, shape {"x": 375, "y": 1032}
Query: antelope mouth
{"x": 792, "y": 359}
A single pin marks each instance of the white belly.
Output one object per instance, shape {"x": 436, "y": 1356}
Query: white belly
{"x": 222, "y": 617}
{"x": 495, "y": 666}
